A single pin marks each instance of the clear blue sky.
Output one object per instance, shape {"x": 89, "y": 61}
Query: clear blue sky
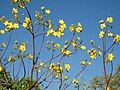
{"x": 89, "y": 12}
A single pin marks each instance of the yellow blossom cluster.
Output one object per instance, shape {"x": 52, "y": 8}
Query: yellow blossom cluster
{"x": 56, "y": 68}
{"x": 26, "y": 23}
{"x": 16, "y": 1}
{"x": 66, "y": 52}
{"x": 93, "y": 53}
{"x": 59, "y": 32}
{"x": 104, "y": 23}
{"x": 77, "y": 28}
{"x": 10, "y": 25}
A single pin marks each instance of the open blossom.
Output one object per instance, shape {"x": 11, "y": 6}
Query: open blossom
{"x": 22, "y": 47}
{"x": 14, "y": 11}
{"x": 93, "y": 53}
{"x": 117, "y": 38}
{"x": 79, "y": 28}
{"x": 110, "y": 57}
{"x": 2, "y": 31}
{"x": 102, "y": 24}
{"x": 47, "y": 11}
{"x": 72, "y": 28}
{"x": 109, "y": 19}
{"x": 101, "y": 34}
{"x": 67, "y": 67}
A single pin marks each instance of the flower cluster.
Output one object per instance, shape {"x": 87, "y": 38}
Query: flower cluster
{"x": 10, "y": 26}
{"x": 26, "y": 23}
{"x": 66, "y": 52}
{"x": 60, "y": 30}
{"x": 77, "y": 28}
{"x": 104, "y": 24}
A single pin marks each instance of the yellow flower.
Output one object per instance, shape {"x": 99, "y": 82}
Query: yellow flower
{"x": 30, "y": 56}
{"x": 47, "y": 11}
{"x": 74, "y": 44}
{"x": 51, "y": 66}
{"x": 14, "y": 1}
{"x": 109, "y": 19}
{"x": 11, "y": 59}
{"x": 24, "y": 25}
{"x": 67, "y": 53}
{"x": 58, "y": 69}
{"x": 93, "y": 53}
{"x": 61, "y": 22}
{"x": 50, "y": 31}
{"x": 14, "y": 11}
{"x": 6, "y": 23}
{"x": 27, "y": 20}
{"x": 67, "y": 67}
{"x": 79, "y": 28}
{"x": 101, "y": 34}
{"x": 83, "y": 47}
{"x": 102, "y": 24}
{"x": 117, "y": 38}
{"x": 16, "y": 25}
{"x": 72, "y": 28}
{"x": 58, "y": 34}
{"x": 110, "y": 57}
{"x": 75, "y": 82}
{"x": 42, "y": 64}
{"x": 110, "y": 34}
{"x": 22, "y": 47}
{"x": 2, "y": 31}
{"x": 83, "y": 63}
{"x": 1, "y": 69}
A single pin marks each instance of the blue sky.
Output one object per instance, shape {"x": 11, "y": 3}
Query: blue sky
{"x": 89, "y": 12}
